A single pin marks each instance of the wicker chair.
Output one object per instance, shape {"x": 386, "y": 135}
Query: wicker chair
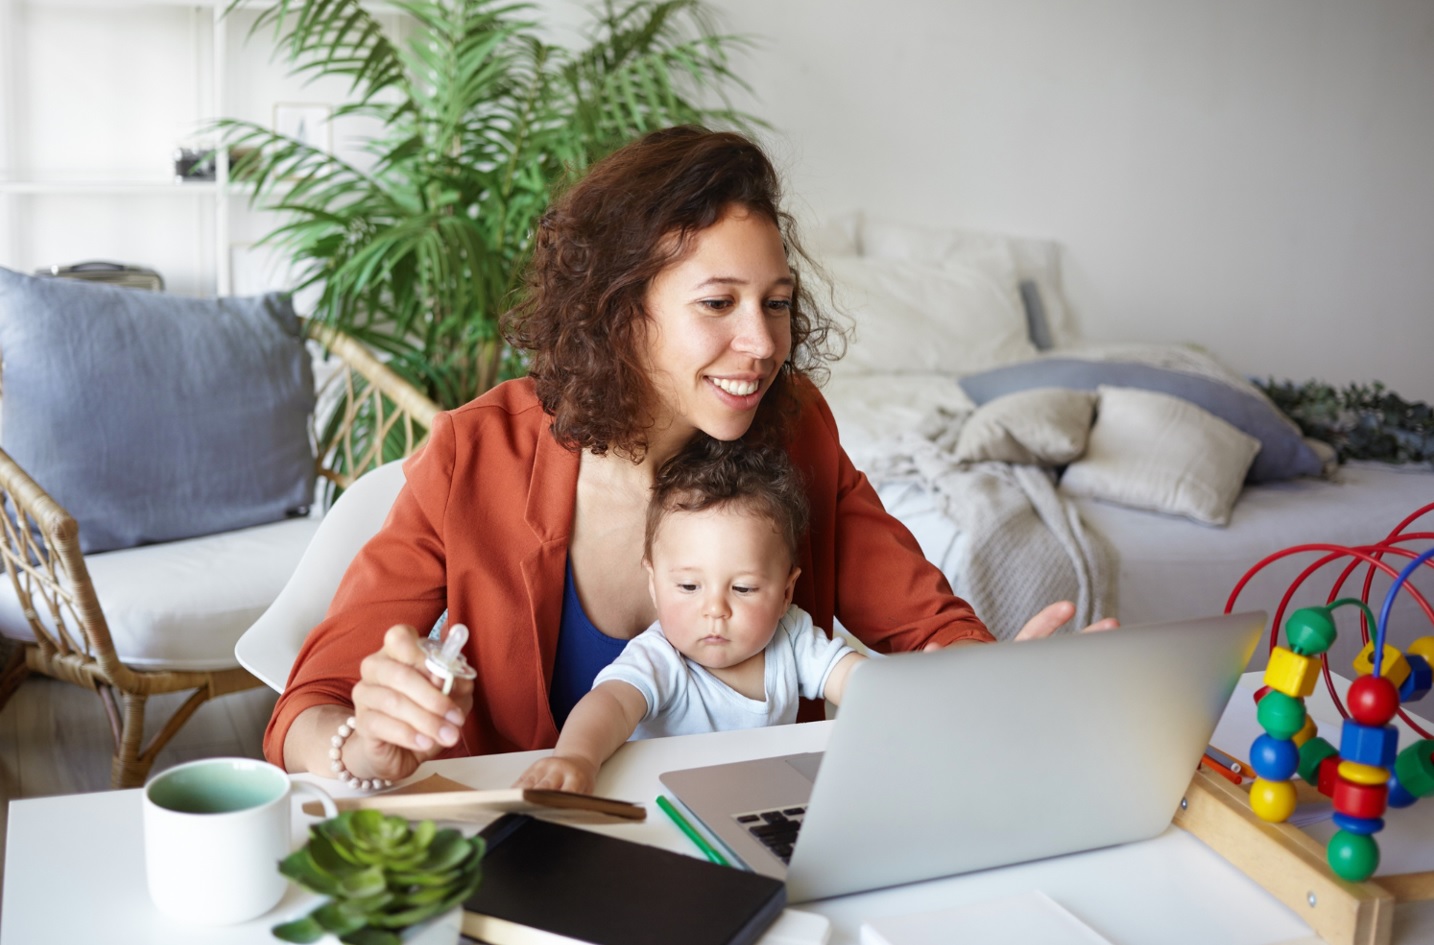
{"x": 40, "y": 552}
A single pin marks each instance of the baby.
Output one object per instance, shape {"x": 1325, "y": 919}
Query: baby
{"x": 728, "y": 650}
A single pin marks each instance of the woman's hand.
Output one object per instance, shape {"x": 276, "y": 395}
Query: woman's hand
{"x": 559, "y": 774}
{"x": 1049, "y": 619}
{"x": 404, "y": 719}
{"x": 1046, "y": 622}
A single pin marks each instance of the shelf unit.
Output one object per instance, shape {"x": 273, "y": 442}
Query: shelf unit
{"x": 95, "y": 96}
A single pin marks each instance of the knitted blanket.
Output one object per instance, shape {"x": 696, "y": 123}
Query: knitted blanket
{"x": 1023, "y": 544}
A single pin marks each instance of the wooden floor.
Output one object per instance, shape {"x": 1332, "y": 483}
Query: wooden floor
{"x": 55, "y": 739}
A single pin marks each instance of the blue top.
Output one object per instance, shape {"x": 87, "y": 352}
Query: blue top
{"x": 583, "y": 649}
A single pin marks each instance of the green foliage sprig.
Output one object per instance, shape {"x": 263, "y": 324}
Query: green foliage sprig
{"x": 418, "y": 244}
{"x": 1361, "y": 421}
{"x": 381, "y": 875}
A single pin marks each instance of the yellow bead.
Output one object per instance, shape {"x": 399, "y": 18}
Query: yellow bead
{"x": 1362, "y": 774}
{"x": 1424, "y": 646}
{"x": 1290, "y": 673}
{"x": 1310, "y": 730}
{"x": 1394, "y": 667}
{"x": 1272, "y": 801}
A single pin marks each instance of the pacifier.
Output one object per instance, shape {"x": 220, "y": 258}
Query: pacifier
{"x": 445, "y": 660}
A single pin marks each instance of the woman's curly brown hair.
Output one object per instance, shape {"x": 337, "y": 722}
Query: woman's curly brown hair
{"x": 581, "y": 317}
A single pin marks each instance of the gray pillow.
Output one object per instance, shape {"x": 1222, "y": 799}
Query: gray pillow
{"x": 1037, "y": 326}
{"x": 153, "y": 417}
{"x": 1283, "y": 452}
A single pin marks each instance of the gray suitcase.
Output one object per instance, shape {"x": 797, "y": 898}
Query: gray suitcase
{"x": 110, "y": 273}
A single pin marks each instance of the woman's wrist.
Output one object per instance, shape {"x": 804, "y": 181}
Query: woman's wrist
{"x": 310, "y": 736}
{"x": 362, "y": 779}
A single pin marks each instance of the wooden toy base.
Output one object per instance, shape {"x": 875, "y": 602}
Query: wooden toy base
{"x": 1291, "y": 866}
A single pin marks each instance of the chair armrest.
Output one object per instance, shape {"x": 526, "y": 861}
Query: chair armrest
{"x": 368, "y": 415}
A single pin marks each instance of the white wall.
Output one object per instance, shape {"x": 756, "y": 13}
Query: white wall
{"x": 1253, "y": 175}
{"x": 1257, "y": 177}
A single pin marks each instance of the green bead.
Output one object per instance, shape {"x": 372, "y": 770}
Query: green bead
{"x": 1414, "y": 767}
{"x": 1280, "y": 715}
{"x": 1310, "y": 631}
{"x": 1352, "y": 856}
{"x": 1312, "y": 753}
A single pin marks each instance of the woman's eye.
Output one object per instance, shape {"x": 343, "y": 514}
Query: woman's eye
{"x": 780, "y": 305}
{"x": 716, "y": 305}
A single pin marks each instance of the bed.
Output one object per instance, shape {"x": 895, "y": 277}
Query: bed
{"x": 1182, "y": 473}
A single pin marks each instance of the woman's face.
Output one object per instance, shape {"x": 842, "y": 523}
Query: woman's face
{"x": 719, "y": 329}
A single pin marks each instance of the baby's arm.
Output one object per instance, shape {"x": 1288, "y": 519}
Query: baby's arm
{"x": 841, "y": 672}
{"x": 598, "y": 725}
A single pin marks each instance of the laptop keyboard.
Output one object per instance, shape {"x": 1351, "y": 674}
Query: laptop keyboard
{"x": 775, "y": 829}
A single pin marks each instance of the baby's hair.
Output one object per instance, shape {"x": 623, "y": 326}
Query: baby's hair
{"x": 708, "y": 473}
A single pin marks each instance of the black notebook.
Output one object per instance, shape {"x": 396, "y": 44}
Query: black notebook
{"x": 571, "y": 884}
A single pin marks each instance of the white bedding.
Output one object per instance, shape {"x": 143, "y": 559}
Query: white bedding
{"x": 1169, "y": 567}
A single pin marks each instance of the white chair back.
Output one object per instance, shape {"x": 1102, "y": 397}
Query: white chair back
{"x": 268, "y": 648}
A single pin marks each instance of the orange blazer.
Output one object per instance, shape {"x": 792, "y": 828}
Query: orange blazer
{"x": 481, "y": 528}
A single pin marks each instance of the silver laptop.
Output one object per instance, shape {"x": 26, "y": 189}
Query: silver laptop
{"x": 981, "y": 756}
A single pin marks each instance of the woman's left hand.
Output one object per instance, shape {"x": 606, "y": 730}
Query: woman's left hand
{"x": 1049, "y": 619}
{"x": 1047, "y": 622}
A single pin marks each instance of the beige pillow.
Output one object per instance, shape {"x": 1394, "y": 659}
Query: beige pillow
{"x": 917, "y": 319}
{"x": 1046, "y": 426}
{"x": 1152, "y": 451}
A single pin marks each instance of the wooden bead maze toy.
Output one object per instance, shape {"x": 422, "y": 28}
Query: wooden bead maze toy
{"x": 1332, "y": 887}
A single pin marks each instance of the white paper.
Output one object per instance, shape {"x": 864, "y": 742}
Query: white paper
{"x": 1012, "y": 920}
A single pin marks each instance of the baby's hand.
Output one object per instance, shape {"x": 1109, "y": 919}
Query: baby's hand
{"x": 559, "y": 774}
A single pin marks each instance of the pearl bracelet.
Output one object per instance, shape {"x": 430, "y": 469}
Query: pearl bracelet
{"x": 337, "y": 762}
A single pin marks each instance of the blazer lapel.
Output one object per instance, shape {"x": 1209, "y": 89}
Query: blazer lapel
{"x": 549, "y": 514}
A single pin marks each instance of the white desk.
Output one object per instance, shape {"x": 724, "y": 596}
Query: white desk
{"x": 74, "y": 867}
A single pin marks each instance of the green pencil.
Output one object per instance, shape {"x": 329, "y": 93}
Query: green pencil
{"x": 707, "y": 849}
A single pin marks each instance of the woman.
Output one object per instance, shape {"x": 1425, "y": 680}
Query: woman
{"x": 660, "y": 306}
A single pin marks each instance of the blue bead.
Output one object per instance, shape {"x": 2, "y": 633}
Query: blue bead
{"x": 1367, "y": 745}
{"x": 1419, "y": 681}
{"x": 1360, "y": 825}
{"x": 1399, "y": 796}
{"x": 1274, "y": 759}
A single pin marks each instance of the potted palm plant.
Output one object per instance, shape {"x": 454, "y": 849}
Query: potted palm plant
{"x": 418, "y": 251}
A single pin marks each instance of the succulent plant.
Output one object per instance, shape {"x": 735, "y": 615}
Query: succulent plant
{"x": 381, "y": 874}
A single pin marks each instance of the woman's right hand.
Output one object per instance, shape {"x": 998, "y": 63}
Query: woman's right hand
{"x": 404, "y": 719}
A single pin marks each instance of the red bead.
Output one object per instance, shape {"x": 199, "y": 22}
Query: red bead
{"x": 1360, "y": 800}
{"x": 1372, "y": 700}
{"x": 1328, "y": 775}
{"x": 1260, "y": 693}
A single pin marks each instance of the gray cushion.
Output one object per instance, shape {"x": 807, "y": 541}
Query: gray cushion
{"x": 1283, "y": 452}
{"x": 153, "y": 417}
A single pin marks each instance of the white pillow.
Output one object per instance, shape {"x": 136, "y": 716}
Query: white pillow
{"x": 1047, "y": 426}
{"x": 1035, "y": 259}
{"x": 912, "y": 318}
{"x": 1152, "y": 451}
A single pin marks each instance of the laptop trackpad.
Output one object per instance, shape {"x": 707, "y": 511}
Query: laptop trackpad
{"x": 806, "y": 764}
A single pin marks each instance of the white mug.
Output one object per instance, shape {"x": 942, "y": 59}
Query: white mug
{"x": 214, "y": 833}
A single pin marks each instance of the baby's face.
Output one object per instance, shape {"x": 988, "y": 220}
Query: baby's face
{"x": 721, "y": 578}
